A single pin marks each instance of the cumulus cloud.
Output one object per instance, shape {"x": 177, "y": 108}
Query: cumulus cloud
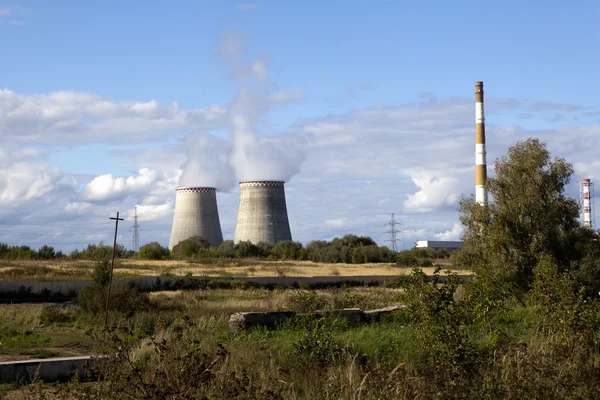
{"x": 435, "y": 191}
{"x": 75, "y": 117}
{"x": 27, "y": 181}
{"x": 414, "y": 159}
{"x": 23, "y": 178}
{"x": 109, "y": 188}
{"x": 452, "y": 234}
{"x": 152, "y": 212}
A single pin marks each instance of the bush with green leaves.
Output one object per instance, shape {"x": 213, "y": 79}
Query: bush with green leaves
{"x": 287, "y": 250}
{"x": 304, "y": 301}
{"x": 153, "y": 251}
{"x": 190, "y": 247}
{"x": 245, "y": 249}
{"x": 317, "y": 347}
{"x": 226, "y": 249}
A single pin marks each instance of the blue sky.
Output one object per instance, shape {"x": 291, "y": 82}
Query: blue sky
{"x": 334, "y": 64}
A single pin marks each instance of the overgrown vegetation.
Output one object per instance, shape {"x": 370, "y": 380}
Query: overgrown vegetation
{"x": 527, "y": 326}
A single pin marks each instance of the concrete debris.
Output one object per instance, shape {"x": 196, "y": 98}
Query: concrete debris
{"x": 243, "y": 320}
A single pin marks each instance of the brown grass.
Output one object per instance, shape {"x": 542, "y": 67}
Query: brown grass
{"x": 132, "y": 268}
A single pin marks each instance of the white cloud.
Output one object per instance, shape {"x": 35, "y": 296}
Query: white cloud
{"x": 153, "y": 212}
{"x": 25, "y": 181}
{"x": 435, "y": 191}
{"x": 453, "y": 234}
{"x": 337, "y": 222}
{"x": 75, "y": 117}
{"x": 109, "y": 188}
{"x": 412, "y": 159}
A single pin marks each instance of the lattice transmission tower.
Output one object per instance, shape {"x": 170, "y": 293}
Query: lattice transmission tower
{"x": 393, "y": 240}
{"x": 136, "y": 231}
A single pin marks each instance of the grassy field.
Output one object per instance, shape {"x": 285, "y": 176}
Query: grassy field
{"x": 177, "y": 345}
{"x": 37, "y": 331}
{"x": 82, "y": 269}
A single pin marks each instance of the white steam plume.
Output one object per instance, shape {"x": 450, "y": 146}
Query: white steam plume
{"x": 246, "y": 155}
{"x": 207, "y": 162}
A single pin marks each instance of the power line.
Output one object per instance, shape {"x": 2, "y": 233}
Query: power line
{"x": 393, "y": 231}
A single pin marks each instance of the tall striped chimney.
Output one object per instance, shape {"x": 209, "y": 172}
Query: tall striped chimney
{"x": 480, "y": 162}
{"x": 586, "y": 189}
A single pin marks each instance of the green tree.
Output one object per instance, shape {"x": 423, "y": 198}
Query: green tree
{"x": 226, "y": 249}
{"x": 530, "y": 216}
{"x": 287, "y": 250}
{"x": 246, "y": 249}
{"x": 46, "y": 253}
{"x": 153, "y": 251}
{"x": 190, "y": 247}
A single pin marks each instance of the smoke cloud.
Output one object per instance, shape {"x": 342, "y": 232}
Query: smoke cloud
{"x": 207, "y": 162}
{"x": 248, "y": 153}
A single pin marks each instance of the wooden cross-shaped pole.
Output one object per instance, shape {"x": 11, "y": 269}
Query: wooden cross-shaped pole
{"x": 112, "y": 265}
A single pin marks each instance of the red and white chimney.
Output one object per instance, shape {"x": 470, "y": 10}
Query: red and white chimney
{"x": 587, "y": 189}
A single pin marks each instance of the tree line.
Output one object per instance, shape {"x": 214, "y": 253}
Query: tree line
{"x": 350, "y": 249}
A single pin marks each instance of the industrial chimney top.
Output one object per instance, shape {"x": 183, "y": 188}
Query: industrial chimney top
{"x": 196, "y": 189}
{"x": 262, "y": 183}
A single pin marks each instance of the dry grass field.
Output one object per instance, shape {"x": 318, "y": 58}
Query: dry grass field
{"x": 26, "y": 334}
{"x": 82, "y": 269}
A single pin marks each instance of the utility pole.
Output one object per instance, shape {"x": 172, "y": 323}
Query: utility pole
{"x": 393, "y": 231}
{"x": 112, "y": 266}
{"x": 136, "y": 231}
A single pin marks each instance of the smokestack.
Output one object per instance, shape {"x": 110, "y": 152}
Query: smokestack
{"x": 262, "y": 213}
{"x": 480, "y": 162}
{"x": 587, "y": 188}
{"x": 196, "y": 214}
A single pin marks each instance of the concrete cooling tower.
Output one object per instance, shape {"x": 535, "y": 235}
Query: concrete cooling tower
{"x": 196, "y": 214}
{"x": 262, "y": 213}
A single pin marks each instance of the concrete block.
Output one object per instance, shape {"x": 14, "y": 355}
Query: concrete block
{"x": 244, "y": 320}
{"x": 377, "y": 315}
{"x": 48, "y": 370}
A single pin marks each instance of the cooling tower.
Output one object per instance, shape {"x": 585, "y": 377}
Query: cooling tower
{"x": 480, "y": 159}
{"x": 196, "y": 214}
{"x": 262, "y": 213}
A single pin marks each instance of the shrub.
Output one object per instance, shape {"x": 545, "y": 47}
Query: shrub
{"x": 305, "y": 301}
{"x": 153, "y": 251}
{"x": 52, "y": 315}
{"x": 125, "y": 299}
{"x": 226, "y": 249}
{"x": 287, "y": 250}
{"x": 190, "y": 247}
{"x": 318, "y": 347}
{"x": 347, "y": 299}
{"x": 246, "y": 249}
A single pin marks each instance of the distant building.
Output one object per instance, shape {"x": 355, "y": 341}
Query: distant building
{"x": 439, "y": 244}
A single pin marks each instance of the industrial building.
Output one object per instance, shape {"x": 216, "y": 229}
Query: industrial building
{"x": 262, "y": 213}
{"x": 196, "y": 214}
{"x": 439, "y": 244}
